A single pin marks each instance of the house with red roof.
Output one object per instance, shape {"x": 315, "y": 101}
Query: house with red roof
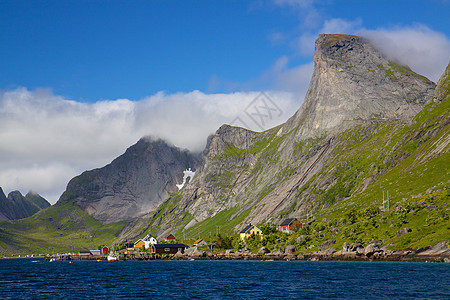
{"x": 170, "y": 237}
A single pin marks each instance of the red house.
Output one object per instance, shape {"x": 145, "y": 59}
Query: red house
{"x": 170, "y": 237}
{"x": 290, "y": 224}
{"x": 105, "y": 250}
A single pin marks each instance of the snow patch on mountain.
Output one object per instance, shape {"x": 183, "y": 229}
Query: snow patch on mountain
{"x": 187, "y": 174}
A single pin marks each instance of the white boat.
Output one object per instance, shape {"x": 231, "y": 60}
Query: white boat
{"x": 112, "y": 257}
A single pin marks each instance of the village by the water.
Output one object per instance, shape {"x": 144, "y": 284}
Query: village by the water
{"x": 236, "y": 247}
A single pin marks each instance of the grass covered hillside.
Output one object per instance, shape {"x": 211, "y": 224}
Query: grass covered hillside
{"x": 59, "y": 228}
{"x": 408, "y": 161}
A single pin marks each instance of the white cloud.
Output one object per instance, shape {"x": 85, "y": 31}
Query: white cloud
{"x": 300, "y": 3}
{"x": 46, "y": 139}
{"x": 425, "y": 51}
{"x": 337, "y": 25}
{"x": 292, "y": 79}
{"x": 308, "y": 14}
{"x": 49, "y": 178}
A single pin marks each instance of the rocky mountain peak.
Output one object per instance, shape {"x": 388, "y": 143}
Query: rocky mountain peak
{"x": 133, "y": 184}
{"x": 228, "y": 135}
{"x": 352, "y": 82}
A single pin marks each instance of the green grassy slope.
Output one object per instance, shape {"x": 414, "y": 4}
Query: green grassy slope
{"x": 60, "y": 228}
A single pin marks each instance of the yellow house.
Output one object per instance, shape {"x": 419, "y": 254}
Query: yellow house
{"x": 139, "y": 244}
{"x": 249, "y": 230}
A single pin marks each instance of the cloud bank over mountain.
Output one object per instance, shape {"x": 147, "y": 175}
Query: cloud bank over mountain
{"x": 47, "y": 139}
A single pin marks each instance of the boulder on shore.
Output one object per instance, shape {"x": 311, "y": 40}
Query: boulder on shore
{"x": 263, "y": 250}
{"x": 178, "y": 255}
{"x": 278, "y": 252}
{"x": 354, "y": 246}
{"x": 194, "y": 252}
{"x": 345, "y": 247}
{"x": 290, "y": 249}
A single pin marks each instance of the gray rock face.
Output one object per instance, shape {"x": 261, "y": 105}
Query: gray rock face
{"x": 290, "y": 249}
{"x": 194, "y": 252}
{"x": 278, "y": 252}
{"x": 354, "y": 246}
{"x": 229, "y": 136}
{"x": 134, "y": 184}
{"x": 16, "y": 206}
{"x": 345, "y": 247}
{"x": 372, "y": 247}
{"x": 353, "y": 82}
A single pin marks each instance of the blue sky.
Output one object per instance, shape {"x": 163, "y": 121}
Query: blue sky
{"x": 93, "y": 50}
{"x": 80, "y": 81}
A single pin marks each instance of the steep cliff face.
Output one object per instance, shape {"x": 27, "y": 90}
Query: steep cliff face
{"x": 16, "y": 206}
{"x": 294, "y": 169}
{"x": 353, "y": 82}
{"x": 133, "y": 184}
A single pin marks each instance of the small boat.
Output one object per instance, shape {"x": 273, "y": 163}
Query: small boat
{"x": 52, "y": 259}
{"x": 112, "y": 257}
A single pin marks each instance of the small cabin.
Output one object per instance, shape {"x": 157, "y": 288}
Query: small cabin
{"x": 84, "y": 253}
{"x": 105, "y": 250}
{"x": 249, "y": 230}
{"x": 200, "y": 243}
{"x": 170, "y": 237}
{"x": 290, "y": 224}
{"x": 168, "y": 248}
{"x": 95, "y": 252}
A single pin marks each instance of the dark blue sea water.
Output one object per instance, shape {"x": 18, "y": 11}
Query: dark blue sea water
{"x": 21, "y": 278}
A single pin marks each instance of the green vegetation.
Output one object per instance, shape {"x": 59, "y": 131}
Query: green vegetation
{"x": 60, "y": 228}
{"x": 405, "y": 70}
{"x": 335, "y": 38}
{"x": 223, "y": 222}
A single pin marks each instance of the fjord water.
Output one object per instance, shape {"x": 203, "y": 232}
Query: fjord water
{"x": 21, "y": 278}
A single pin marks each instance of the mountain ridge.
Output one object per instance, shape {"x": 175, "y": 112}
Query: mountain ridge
{"x": 233, "y": 177}
{"x": 16, "y": 206}
{"x": 133, "y": 184}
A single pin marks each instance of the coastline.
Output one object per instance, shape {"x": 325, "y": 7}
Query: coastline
{"x": 400, "y": 256}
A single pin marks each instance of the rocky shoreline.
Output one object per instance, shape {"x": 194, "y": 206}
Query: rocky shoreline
{"x": 350, "y": 252}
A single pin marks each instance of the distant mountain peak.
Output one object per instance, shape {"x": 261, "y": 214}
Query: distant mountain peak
{"x": 16, "y": 206}
{"x": 133, "y": 184}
